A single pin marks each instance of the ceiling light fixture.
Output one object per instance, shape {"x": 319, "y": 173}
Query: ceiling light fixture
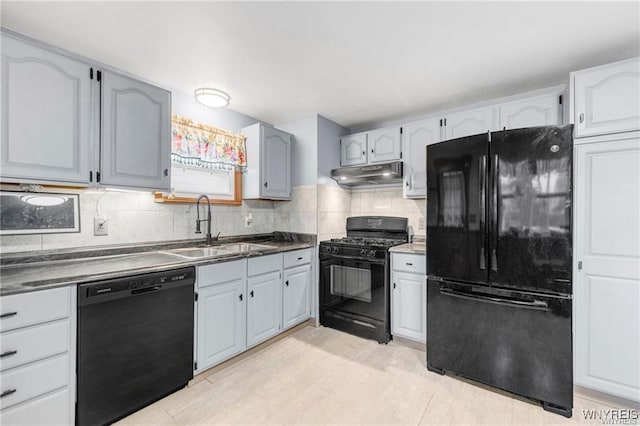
{"x": 213, "y": 98}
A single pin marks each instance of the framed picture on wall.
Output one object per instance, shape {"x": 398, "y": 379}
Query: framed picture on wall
{"x": 38, "y": 213}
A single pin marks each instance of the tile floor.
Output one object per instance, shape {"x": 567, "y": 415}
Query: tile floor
{"x": 322, "y": 376}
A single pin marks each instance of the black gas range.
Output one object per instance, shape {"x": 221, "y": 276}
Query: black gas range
{"x": 354, "y": 276}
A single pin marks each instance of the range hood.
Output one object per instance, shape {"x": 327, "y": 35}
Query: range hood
{"x": 371, "y": 174}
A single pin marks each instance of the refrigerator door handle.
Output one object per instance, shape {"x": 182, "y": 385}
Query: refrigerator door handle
{"x": 495, "y": 212}
{"x": 482, "y": 179}
{"x": 535, "y": 304}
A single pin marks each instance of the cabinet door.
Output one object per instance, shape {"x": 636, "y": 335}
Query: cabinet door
{"x": 46, "y": 115}
{"x": 275, "y": 164}
{"x": 607, "y": 273}
{"x": 607, "y": 99}
{"x": 416, "y": 136}
{"x": 384, "y": 145}
{"x": 409, "y": 306}
{"x": 353, "y": 150}
{"x": 264, "y": 312}
{"x": 533, "y": 112}
{"x": 136, "y": 133}
{"x": 296, "y": 305}
{"x": 221, "y": 322}
{"x": 472, "y": 122}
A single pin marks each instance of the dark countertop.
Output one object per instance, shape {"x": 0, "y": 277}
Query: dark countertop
{"x": 24, "y": 272}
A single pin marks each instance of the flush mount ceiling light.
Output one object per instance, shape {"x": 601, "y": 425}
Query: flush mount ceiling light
{"x": 213, "y": 98}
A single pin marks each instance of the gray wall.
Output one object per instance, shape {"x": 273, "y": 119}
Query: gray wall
{"x": 329, "y": 134}
{"x": 304, "y": 167}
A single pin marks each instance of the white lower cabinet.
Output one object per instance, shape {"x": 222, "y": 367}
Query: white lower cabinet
{"x": 607, "y": 266}
{"x": 221, "y": 322}
{"x": 264, "y": 311}
{"x": 408, "y": 297}
{"x": 37, "y": 369}
{"x": 296, "y": 301}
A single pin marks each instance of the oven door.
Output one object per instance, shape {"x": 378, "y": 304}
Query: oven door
{"x": 355, "y": 286}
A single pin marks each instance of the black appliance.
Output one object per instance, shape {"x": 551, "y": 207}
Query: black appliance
{"x": 135, "y": 343}
{"x": 354, "y": 276}
{"x": 499, "y": 261}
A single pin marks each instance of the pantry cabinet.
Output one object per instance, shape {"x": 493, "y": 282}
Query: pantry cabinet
{"x": 606, "y": 99}
{"x": 353, "y": 150}
{"x": 68, "y": 121}
{"x": 409, "y": 296}
{"x": 136, "y": 133}
{"x": 47, "y": 116}
{"x": 416, "y": 137}
{"x": 268, "y": 171}
{"x": 607, "y": 266}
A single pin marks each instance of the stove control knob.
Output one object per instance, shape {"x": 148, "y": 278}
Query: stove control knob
{"x": 335, "y": 250}
{"x": 363, "y": 252}
{"x": 371, "y": 253}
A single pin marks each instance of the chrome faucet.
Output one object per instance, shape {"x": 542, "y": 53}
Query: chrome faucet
{"x": 208, "y": 219}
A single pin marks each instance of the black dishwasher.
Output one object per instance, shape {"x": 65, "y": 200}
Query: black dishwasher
{"x": 135, "y": 343}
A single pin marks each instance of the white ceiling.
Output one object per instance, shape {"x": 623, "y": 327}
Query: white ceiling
{"x": 354, "y": 63}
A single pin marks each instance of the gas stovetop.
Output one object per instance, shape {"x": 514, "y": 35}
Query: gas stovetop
{"x": 364, "y": 241}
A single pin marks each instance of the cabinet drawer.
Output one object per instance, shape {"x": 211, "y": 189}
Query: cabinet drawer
{"x": 264, "y": 264}
{"x": 220, "y": 273}
{"x": 33, "y": 343}
{"x": 414, "y": 263}
{"x": 33, "y": 380}
{"x": 298, "y": 257}
{"x": 52, "y": 409}
{"x": 20, "y": 310}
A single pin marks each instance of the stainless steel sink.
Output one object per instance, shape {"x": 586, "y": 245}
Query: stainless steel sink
{"x": 244, "y": 247}
{"x": 199, "y": 253}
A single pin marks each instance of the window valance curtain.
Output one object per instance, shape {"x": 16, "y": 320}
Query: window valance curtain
{"x": 204, "y": 146}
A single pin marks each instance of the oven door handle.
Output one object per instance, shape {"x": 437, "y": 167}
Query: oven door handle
{"x": 363, "y": 259}
{"x": 536, "y": 304}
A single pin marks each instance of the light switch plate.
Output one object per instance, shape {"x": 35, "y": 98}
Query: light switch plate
{"x": 100, "y": 226}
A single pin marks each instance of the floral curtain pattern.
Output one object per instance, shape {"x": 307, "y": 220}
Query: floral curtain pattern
{"x": 207, "y": 147}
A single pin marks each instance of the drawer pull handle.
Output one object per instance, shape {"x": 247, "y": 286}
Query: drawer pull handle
{"x": 7, "y": 393}
{"x": 409, "y": 264}
{"x": 8, "y": 314}
{"x": 8, "y": 353}
{"x": 299, "y": 258}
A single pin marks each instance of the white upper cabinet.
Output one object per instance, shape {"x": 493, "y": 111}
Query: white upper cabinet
{"x": 607, "y": 98}
{"x": 472, "y": 122}
{"x": 353, "y": 150}
{"x": 53, "y": 132}
{"x": 531, "y": 112}
{"x": 46, "y": 115}
{"x": 268, "y": 173}
{"x": 416, "y": 136}
{"x": 384, "y": 145}
{"x": 136, "y": 133}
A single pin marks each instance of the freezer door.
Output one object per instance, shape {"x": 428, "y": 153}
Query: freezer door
{"x": 530, "y": 211}
{"x": 514, "y": 341}
{"x": 456, "y": 209}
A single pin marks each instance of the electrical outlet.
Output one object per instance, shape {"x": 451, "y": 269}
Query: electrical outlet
{"x": 100, "y": 226}
{"x": 421, "y": 223}
{"x": 248, "y": 220}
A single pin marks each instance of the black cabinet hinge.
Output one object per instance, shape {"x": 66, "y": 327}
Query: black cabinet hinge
{"x": 441, "y": 122}
{"x": 445, "y": 121}
{"x": 195, "y": 365}
{"x": 91, "y": 73}
{"x": 97, "y": 176}
{"x": 90, "y": 176}
{"x": 400, "y": 130}
{"x": 401, "y": 155}
{"x": 195, "y": 297}
{"x": 560, "y": 99}
{"x": 99, "y": 75}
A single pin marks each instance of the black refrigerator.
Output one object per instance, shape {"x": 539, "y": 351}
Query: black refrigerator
{"x": 499, "y": 259}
